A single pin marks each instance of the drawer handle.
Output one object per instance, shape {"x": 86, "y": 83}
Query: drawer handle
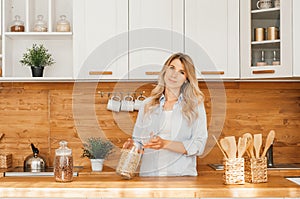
{"x": 212, "y": 72}
{"x": 100, "y": 73}
{"x": 152, "y": 73}
{"x": 263, "y": 71}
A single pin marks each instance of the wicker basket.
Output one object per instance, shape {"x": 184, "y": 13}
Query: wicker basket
{"x": 234, "y": 171}
{"x": 5, "y": 161}
{"x": 256, "y": 170}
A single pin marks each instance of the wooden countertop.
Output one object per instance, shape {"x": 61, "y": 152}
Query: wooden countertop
{"x": 108, "y": 184}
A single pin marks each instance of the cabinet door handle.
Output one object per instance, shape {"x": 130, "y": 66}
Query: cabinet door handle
{"x": 152, "y": 73}
{"x": 212, "y": 73}
{"x": 263, "y": 71}
{"x": 100, "y": 73}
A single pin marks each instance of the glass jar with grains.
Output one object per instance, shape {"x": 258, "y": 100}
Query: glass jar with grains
{"x": 40, "y": 25}
{"x": 17, "y": 25}
{"x": 63, "y": 163}
{"x": 63, "y": 25}
{"x": 130, "y": 160}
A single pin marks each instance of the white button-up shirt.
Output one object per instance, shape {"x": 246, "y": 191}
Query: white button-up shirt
{"x": 193, "y": 136}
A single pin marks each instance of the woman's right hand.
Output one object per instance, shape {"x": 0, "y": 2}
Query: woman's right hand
{"x": 128, "y": 144}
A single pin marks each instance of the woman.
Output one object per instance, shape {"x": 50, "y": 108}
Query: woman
{"x": 173, "y": 120}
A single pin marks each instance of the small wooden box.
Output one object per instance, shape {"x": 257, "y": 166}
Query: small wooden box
{"x": 234, "y": 171}
{"x": 5, "y": 161}
{"x": 256, "y": 170}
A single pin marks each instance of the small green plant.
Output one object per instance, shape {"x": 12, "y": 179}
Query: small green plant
{"x": 97, "y": 148}
{"x": 37, "y": 56}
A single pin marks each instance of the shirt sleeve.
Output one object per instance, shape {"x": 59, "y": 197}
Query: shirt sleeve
{"x": 196, "y": 145}
{"x": 139, "y": 126}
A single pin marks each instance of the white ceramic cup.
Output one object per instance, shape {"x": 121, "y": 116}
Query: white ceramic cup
{"x": 127, "y": 103}
{"x": 138, "y": 102}
{"x": 114, "y": 104}
{"x": 264, "y": 4}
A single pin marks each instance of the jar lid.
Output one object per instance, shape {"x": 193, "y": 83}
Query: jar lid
{"x": 18, "y": 21}
{"x": 40, "y": 20}
{"x": 63, "y": 20}
{"x": 63, "y": 149}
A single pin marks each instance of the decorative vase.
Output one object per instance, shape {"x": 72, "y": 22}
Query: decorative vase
{"x": 37, "y": 71}
{"x": 97, "y": 164}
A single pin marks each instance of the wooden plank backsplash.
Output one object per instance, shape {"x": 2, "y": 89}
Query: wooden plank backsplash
{"x": 45, "y": 113}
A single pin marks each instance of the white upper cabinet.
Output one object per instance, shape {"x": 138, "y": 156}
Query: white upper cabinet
{"x": 296, "y": 38}
{"x": 212, "y": 37}
{"x": 266, "y": 39}
{"x": 156, "y": 30}
{"x": 100, "y": 39}
{"x": 15, "y": 43}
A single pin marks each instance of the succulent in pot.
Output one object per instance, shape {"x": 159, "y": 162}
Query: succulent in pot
{"x": 97, "y": 150}
{"x": 37, "y": 57}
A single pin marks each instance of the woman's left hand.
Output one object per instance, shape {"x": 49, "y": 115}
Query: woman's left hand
{"x": 156, "y": 143}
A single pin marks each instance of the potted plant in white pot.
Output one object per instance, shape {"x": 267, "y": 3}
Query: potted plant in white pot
{"x": 97, "y": 150}
{"x": 37, "y": 58}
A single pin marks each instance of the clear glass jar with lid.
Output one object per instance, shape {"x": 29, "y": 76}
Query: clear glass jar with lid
{"x": 40, "y": 25}
{"x": 17, "y": 25}
{"x": 63, "y": 163}
{"x": 63, "y": 25}
{"x": 130, "y": 160}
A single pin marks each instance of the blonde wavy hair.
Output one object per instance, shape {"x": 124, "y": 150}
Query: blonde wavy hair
{"x": 192, "y": 96}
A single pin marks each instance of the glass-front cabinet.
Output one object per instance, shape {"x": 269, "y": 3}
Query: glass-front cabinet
{"x": 266, "y": 38}
{"x": 28, "y": 22}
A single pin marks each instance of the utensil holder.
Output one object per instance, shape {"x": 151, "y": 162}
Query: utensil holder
{"x": 256, "y": 170}
{"x": 234, "y": 171}
{"x": 5, "y": 161}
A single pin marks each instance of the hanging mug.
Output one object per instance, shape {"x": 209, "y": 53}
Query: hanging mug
{"x": 138, "y": 102}
{"x": 264, "y": 4}
{"x": 127, "y": 103}
{"x": 114, "y": 104}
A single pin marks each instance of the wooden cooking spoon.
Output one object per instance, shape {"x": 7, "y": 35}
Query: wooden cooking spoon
{"x": 269, "y": 141}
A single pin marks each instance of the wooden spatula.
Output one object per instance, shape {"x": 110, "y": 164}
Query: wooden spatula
{"x": 269, "y": 141}
{"x": 242, "y": 146}
{"x": 249, "y": 139}
{"x": 257, "y": 141}
{"x": 225, "y": 146}
{"x": 222, "y": 150}
{"x": 232, "y": 146}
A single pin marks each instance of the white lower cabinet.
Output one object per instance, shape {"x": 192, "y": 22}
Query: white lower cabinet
{"x": 296, "y": 38}
{"x": 100, "y": 39}
{"x": 156, "y": 30}
{"x": 212, "y": 37}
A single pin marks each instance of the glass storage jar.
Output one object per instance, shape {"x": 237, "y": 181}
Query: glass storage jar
{"x": 63, "y": 25}
{"x": 17, "y": 25}
{"x": 40, "y": 25}
{"x": 129, "y": 160}
{"x": 63, "y": 163}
